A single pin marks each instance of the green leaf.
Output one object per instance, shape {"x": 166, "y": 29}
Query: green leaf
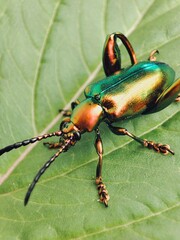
{"x": 49, "y": 52}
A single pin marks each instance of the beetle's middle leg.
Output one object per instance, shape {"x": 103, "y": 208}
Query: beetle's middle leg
{"x": 152, "y": 56}
{"x": 159, "y": 147}
{"x": 67, "y": 114}
{"x": 178, "y": 98}
{"x": 102, "y": 191}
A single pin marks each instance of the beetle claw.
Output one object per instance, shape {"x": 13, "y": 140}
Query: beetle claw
{"x": 165, "y": 149}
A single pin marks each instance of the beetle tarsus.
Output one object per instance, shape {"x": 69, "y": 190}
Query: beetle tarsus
{"x": 52, "y": 145}
{"x": 158, "y": 147}
{"x": 102, "y": 191}
{"x": 152, "y": 56}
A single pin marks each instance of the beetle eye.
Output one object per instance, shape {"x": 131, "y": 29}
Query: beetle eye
{"x": 63, "y": 125}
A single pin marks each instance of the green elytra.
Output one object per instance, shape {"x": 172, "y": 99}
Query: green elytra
{"x": 143, "y": 88}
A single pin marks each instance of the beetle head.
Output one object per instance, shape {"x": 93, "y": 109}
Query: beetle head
{"x": 87, "y": 115}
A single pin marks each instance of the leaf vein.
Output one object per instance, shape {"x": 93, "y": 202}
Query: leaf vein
{"x": 136, "y": 221}
{"x": 41, "y": 55}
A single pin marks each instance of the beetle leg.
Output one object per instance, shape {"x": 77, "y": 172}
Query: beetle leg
{"x": 111, "y": 53}
{"x": 102, "y": 191}
{"x": 163, "y": 148}
{"x": 178, "y": 98}
{"x": 53, "y": 145}
{"x": 152, "y": 56}
{"x": 67, "y": 113}
{"x": 111, "y": 56}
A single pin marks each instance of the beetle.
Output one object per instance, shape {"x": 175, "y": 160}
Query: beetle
{"x": 142, "y": 88}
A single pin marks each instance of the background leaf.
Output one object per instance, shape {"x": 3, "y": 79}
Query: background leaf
{"x": 49, "y": 50}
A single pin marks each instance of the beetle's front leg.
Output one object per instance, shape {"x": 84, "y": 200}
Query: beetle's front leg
{"x": 102, "y": 191}
{"x": 162, "y": 148}
{"x": 66, "y": 114}
{"x": 52, "y": 145}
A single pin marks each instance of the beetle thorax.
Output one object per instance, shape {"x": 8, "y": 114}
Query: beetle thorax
{"x": 87, "y": 115}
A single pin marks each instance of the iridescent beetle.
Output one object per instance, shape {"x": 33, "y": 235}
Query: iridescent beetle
{"x": 143, "y": 88}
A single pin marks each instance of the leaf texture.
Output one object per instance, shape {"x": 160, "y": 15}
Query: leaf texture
{"x": 49, "y": 52}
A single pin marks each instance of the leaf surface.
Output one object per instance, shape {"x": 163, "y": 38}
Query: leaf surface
{"x": 49, "y": 52}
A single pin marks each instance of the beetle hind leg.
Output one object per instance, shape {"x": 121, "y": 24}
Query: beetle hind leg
{"x": 158, "y": 147}
{"x": 102, "y": 191}
{"x": 112, "y": 56}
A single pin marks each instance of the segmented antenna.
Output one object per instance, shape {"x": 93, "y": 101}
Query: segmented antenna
{"x": 28, "y": 141}
{"x": 45, "y": 166}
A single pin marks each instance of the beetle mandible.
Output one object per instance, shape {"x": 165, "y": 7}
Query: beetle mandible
{"x": 143, "y": 88}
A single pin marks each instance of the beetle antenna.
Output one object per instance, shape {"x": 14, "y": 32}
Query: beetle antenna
{"x": 67, "y": 143}
{"x": 28, "y": 141}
